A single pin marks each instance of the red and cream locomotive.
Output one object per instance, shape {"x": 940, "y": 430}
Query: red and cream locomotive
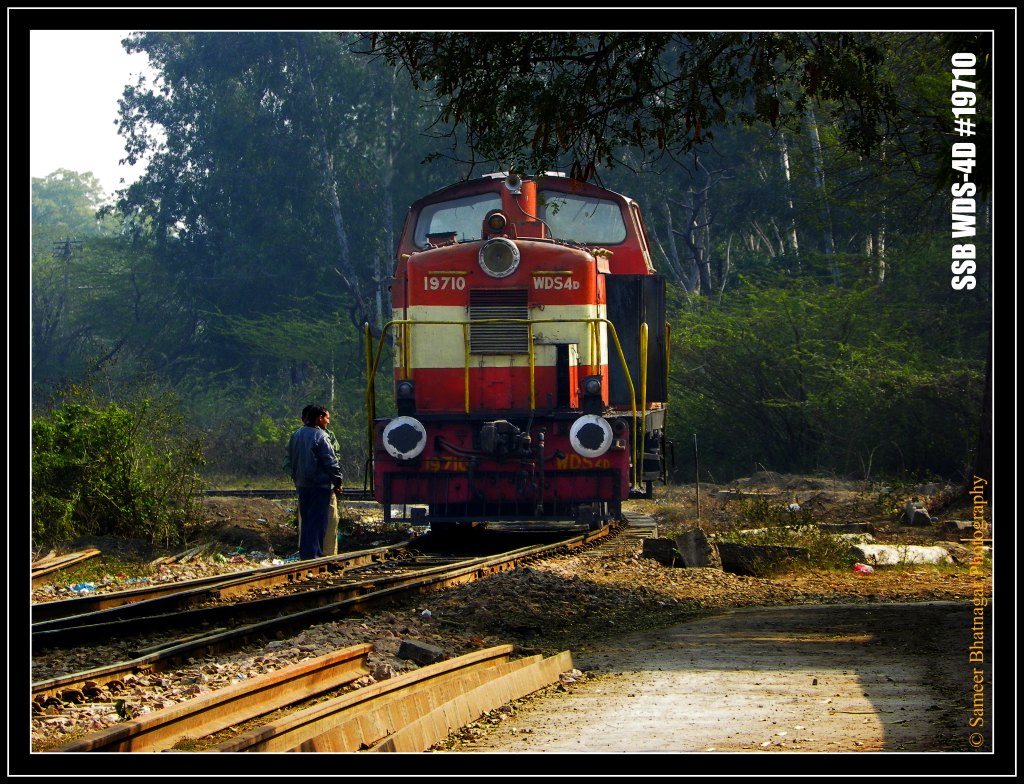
{"x": 530, "y": 357}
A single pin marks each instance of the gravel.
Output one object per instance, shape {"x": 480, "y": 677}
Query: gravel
{"x": 564, "y": 603}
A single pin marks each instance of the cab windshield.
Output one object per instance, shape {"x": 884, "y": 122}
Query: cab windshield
{"x": 582, "y": 219}
{"x": 464, "y": 217}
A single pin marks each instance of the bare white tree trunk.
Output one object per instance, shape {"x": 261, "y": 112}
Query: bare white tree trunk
{"x": 784, "y": 155}
{"x": 828, "y": 241}
{"x": 345, "y": 269}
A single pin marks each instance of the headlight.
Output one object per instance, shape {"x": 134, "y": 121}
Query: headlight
{"x": 496, "y": 221}
{"x": 590, "y": 435}
{"x": 499, "y": 257}
{"x": 404, "y": 438}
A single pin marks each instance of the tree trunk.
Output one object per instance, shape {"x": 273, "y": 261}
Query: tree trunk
{"x": 828, "y": 241}
{"x": 359, "y": 313}
{"x": 784, "y": 156}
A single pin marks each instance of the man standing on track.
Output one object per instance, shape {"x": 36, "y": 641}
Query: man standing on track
{"x": 331, "y": 536}
{"x": 316, "y": 473}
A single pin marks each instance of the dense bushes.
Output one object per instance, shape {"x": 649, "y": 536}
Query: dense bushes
{"x": 107, "y": 469}
{"x": 813, "y": 377}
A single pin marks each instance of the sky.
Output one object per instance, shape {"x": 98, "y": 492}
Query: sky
{"x": 75, "y": 80}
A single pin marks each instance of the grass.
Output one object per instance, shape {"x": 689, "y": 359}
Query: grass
{"x": 758, "y": 520}
{"x": 100, "y": 569}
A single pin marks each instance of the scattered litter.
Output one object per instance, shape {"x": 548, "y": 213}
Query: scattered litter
{"x": 860, "y": 568}
{"x": 83, "y": 587}
{"x": 426, "y": 614}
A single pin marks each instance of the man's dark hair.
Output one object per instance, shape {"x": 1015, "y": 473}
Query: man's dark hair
{"x": 306, "y": 412}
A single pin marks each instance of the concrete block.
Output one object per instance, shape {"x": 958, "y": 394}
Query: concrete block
{"x": 697, "y": 550}
{"x": 751, "y": 558}
{"x": 420, "y": 652}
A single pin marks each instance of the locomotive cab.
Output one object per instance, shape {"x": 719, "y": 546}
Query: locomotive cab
{"x": 530, "y": 356}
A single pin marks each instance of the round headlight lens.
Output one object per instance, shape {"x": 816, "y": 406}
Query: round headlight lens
{"x": 404, "y": 438}
{"x": 499, "y": 257}
{"x": 590, "y": 435}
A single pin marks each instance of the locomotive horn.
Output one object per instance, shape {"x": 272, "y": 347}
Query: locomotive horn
{"x": 514, "y": 183}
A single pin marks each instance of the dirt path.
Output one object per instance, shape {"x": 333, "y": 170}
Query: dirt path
{"x": 799, "y": 679}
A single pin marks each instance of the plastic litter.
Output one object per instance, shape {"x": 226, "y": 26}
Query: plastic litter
{"x": 860, "y": 568}
{"x": 83, "y": 587}
{"x": 426, "y": 614}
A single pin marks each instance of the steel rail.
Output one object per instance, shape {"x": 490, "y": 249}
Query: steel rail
{"x": 441, "y": 577}
{"x": 409, "y": 712}
{"x": 138, "y": 601}
{"x": 231, "y": 705}
{"x": 175, "y": 614}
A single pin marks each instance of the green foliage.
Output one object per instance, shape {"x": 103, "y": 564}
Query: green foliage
{"x": 813, "y": 376}
{"x": 532, "y": 98}
{"x": 108, "y": 469}
{"x": 763, "y": 521}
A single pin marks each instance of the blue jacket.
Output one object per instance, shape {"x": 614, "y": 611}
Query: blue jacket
{"x": 312, "y": 460}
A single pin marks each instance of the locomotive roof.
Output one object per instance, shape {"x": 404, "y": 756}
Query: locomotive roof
{"x": 487, "y": 182}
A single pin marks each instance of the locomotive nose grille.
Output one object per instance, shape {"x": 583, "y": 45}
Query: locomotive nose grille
{"x": 500, "y": 338}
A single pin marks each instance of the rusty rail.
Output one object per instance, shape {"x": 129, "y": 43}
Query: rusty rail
{"x": 436, "y": 578}
{"x": 55, "y": 615}
{"x": 229, "y": 706}
{"x": 410, "y": 712}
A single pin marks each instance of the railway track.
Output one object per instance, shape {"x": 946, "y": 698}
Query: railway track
{"x": 231, "y": 622}
{"x": 406, "y": 713}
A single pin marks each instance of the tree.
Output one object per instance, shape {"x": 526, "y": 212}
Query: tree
{"x": 528, "y": 99}
{"x": 125, "y": 470}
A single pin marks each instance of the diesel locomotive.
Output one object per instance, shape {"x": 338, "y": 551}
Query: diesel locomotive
{"x": 531, "y": 357}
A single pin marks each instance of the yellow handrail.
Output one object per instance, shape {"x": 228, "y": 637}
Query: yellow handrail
{"x": 638, "y": 440}
{"x": 371, "y": 396}
{"x": 465, "y": 346}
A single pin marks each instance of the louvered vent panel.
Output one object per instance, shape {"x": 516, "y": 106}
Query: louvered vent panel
{"x": 498, "y": 338}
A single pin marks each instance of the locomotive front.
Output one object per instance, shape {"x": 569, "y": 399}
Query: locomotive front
{"x": 504, "y": 355}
